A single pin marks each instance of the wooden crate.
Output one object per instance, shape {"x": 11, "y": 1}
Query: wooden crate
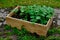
{"x": 36, "y": 28}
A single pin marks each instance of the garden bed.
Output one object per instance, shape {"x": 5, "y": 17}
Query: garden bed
{"x": 40, "y": 29}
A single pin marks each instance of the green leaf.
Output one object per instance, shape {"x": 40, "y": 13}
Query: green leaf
{"x": 37, "y": 13}
{"x": 22, "y": 8}
{"x": 38, "y": 17}
{"x": 48, "y": 16}
{"x": 32, "y": 17}
{"x": 21, "y": 14}
{"x": 7, "y": 27}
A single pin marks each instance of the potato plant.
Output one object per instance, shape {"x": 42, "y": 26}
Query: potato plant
{"x": 35, "y": 13}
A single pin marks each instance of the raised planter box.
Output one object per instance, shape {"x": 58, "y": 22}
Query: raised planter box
{"x": 36, "y": 28}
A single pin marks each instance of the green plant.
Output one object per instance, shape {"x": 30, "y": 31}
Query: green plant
{"x": 1, "y": 33}
{"x": 7, "y": 27}
{"x": 30, "y": 37}
{"x": 27, "y": 37}
{"x": 7, "y": 38}
{"x": 52, "y": 31}
{"x": 1, "y": 38}
{"x": 8, "y": 33}
{"x": 23, "y": 34}
{"x": 42, "y": 37}
{"x": 58, "y": 31}
{"x": 36, "y": 13}
{"x": 53, "y": 38}
{"x": 23, "y": 31}
{"x": 15, "y": 31}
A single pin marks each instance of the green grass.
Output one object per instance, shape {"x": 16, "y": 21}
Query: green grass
{"x": 9, "y": 3}
{"x": 23, "y": 34}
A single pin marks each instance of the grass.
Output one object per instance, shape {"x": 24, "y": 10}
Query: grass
{"x": 23, "y": 34}
{"x": 9, "y": 3}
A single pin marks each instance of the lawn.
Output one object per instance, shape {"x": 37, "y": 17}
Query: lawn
{"x": 9, "y": 3}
